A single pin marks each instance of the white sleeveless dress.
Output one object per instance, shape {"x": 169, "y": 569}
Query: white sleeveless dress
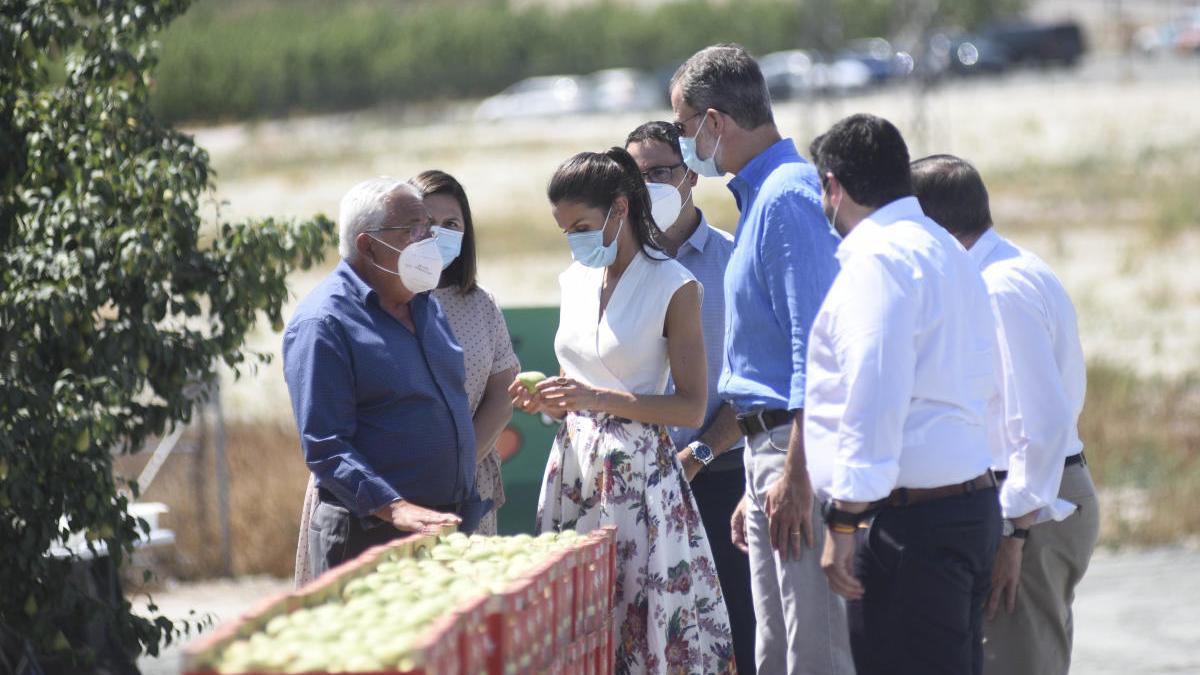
{"x": 603, "y": 470}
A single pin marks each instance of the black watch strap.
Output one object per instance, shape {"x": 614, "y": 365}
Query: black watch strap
{"x": 836, "y": 517}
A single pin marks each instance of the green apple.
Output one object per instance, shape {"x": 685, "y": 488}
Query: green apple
{"x": 530, "y": 378}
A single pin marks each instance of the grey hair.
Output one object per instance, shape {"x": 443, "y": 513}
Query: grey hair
{"x": 725, "y": 77}
{"x": 367, "y": 206}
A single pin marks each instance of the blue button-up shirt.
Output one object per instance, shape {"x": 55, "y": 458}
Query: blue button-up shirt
{"x": 782, "y": 265}
{"x": 382, "y": 411}
{"x": 705, "y": 254}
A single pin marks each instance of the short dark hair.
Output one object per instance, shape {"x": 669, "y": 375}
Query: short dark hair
{"x": 868, "y": 156}
{"x": 596, "y": 179}
{"x": 660, "y": 132}
{"x": 952, "y": 193}
{"x": 725, "y": 77}
{"x": 461, "y": 272}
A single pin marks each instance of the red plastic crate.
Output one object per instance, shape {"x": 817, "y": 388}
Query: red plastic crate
{"x": 474, "y": 640}
{"x": 511, "y": 630}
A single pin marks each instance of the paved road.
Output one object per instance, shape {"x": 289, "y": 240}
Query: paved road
{"x": 1137, "y": 613}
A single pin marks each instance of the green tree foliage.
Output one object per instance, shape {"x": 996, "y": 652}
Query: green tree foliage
{"x": 248, "y": 58}
{"x": 111, "y": 300}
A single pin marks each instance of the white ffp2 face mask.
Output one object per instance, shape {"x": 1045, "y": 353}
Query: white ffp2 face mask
{"x": 419, "y": 265}
{"x": 665, "y": 204}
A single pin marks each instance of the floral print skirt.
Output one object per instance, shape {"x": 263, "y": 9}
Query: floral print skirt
{"x": 669, "y": 613}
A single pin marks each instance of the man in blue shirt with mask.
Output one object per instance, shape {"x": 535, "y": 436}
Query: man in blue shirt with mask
{"x": 781, "y": 267}
{"x": 377, "y": 384}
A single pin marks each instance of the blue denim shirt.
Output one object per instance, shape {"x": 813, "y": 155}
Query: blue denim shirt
{"x": 782, "y": 265}
{"x": 382, "y": 412}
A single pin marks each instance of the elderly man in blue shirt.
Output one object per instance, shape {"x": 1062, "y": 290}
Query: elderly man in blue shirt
{"x": 377, "y": 383}
{"x": 783, "y": 263}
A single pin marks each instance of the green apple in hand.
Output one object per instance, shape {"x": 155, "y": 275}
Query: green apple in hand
{"x": 530, "y": 378}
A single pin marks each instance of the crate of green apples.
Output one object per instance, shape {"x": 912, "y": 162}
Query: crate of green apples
{"x": 428, "y": 604}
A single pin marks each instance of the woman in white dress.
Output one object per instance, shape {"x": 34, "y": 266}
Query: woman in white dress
{"x": 630, "y": 318}
{"x": 479, "y": 327}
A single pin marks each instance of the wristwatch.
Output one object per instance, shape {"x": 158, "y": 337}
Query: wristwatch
{"x": 1011, "y": 530}
{"x": 842, "y": 522}
{"x": 701, "y": 452}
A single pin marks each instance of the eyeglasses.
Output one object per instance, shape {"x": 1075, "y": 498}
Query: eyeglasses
{"x": 420, "y": 230}
{"x": 661, "y": 174}
{"x": 679, "y": 126}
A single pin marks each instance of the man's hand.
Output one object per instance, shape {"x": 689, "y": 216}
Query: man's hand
{"x": 737, "y": 526}
{"x": 691, "y": 466}
{"x": 1006, "y": 576}
{"x": 789, "y": 513}
{"x": 408, "y": 517}
{"x": 838, "y": 562}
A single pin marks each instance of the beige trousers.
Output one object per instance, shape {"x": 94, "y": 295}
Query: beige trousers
{"x": 1036, "y": 638}
{"x": 801, "y": 624}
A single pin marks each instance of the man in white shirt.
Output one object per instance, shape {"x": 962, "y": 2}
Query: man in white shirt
{"x": 900, "y": 376}
{"x": 1047, "y": 496}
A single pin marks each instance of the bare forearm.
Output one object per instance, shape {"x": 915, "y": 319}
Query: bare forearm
{"x": 723, "y": 433}
{"x": 493, "y": 414}
{"x": 676, "y": 410}
{"x": 796, "y": 464}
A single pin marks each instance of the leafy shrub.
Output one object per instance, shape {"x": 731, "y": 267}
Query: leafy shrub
{"x": 111, "y": 306}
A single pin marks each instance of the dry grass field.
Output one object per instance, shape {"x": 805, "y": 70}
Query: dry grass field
{"x": 1095, "y": 170}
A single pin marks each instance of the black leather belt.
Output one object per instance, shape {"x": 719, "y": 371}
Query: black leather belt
{"x": 913, "y": 496}
{"x": 1070, "y": 461}
{"x": 329, "y": 498}
{"x": 758, "y": 421}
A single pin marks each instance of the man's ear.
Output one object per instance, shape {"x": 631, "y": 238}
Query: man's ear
{"x": 362, "y": 244}
{"x": 716, "y": 122}
{"x": 834, "y": 187}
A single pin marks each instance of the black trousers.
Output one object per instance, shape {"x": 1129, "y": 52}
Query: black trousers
{"x": 717, "y": 494}
{"x": 927, "y": 570}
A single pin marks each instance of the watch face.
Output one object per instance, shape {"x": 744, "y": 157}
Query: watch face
{"x": 1008, "y": 529}
{"x": 702, "y": 452}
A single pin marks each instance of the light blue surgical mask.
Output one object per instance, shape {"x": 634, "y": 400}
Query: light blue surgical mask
{"x": 588, "y": 247}
{"x": 703, "y": 167}
{"x": 449, "y": 243}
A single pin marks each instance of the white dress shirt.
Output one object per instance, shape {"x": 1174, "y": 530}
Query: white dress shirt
{"x": 900, "y": 362}
{"x": 1043, "y": 376}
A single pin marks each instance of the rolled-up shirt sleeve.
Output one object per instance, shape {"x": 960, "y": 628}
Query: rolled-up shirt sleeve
{"x": 799, "y": 265}
{"x": 1038, "y": 419}
{"x": 320, "y": 379}
{"x": 873, "y": 339}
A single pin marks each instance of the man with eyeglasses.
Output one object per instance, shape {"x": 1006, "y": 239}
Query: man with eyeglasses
{"x": 376, "y": 380}
{"x": 782, "y": 265}
{"x": 711, "y": 455}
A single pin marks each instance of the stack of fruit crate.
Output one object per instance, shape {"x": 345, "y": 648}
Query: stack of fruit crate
{"x": 436, "y": 604}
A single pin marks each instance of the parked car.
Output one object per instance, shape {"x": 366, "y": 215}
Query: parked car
{"x": 789, "y": 74}
{"x": 874, "y": 53}
{"x": 544, "y": 96}
{"x": 1181, "y": 34}
{"x": 1038, "y": 44}
{"x": 961, "y": 54}
{"x": 624, "y": 90}
{"x": 841, "y": 76}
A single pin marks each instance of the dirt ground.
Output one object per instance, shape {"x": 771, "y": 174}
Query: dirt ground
{"x": 1135, "y": 613}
